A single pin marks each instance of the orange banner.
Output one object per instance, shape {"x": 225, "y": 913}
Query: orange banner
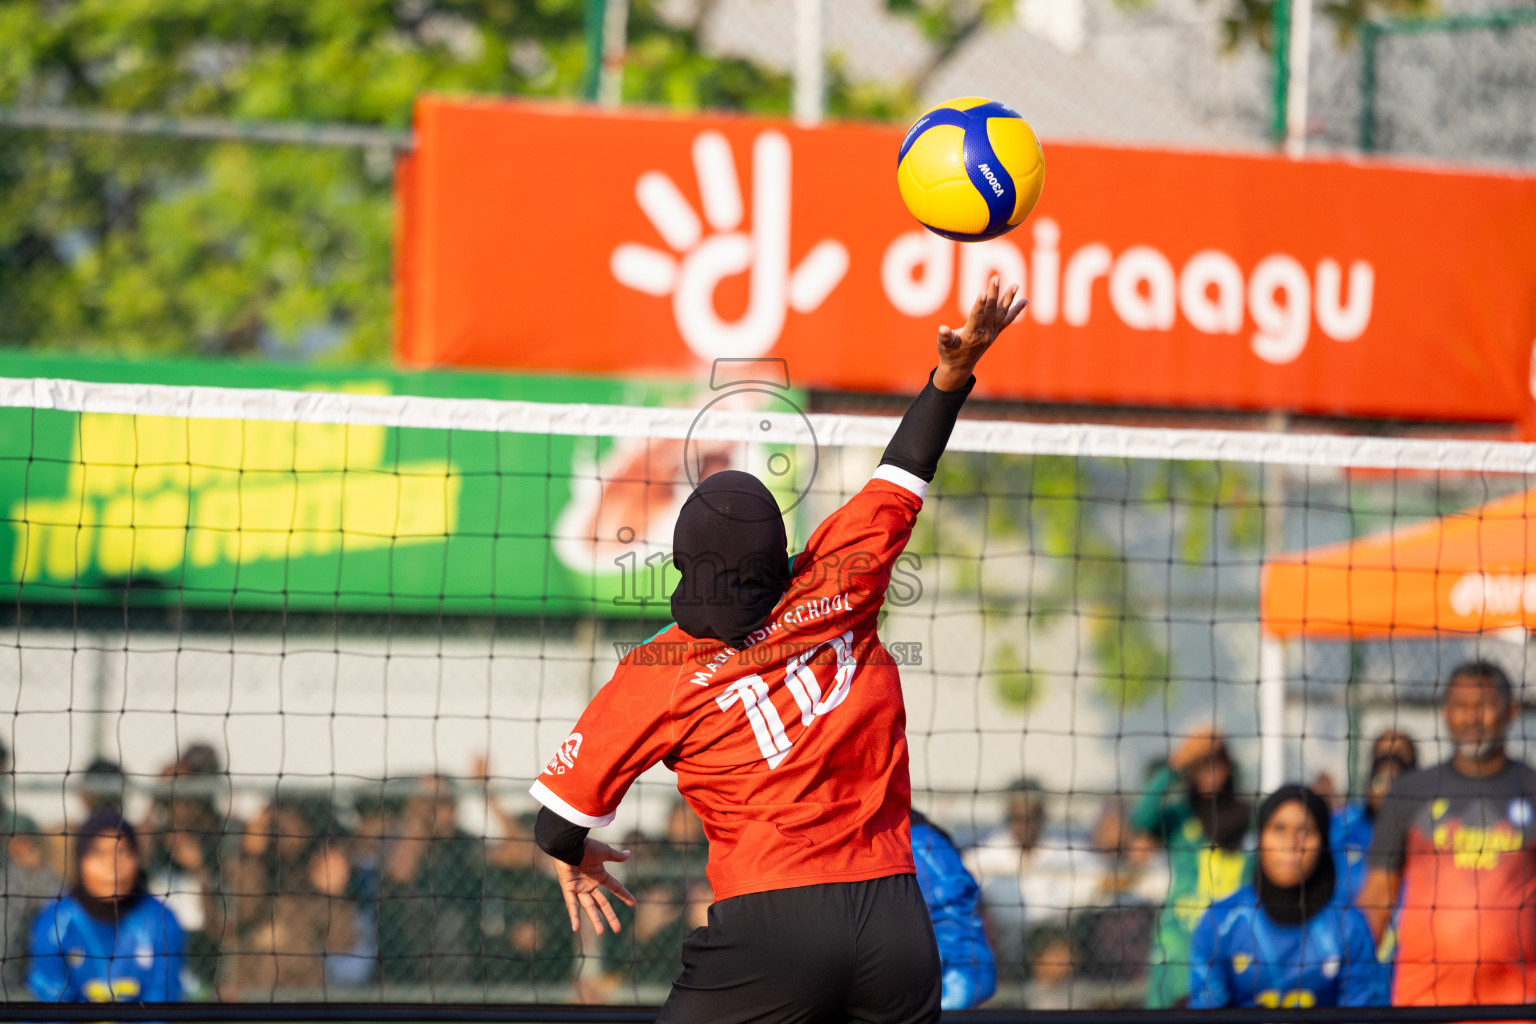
{"x": 553, "y": 237}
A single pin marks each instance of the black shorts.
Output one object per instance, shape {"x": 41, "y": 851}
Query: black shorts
{"x": 847, "y": 951}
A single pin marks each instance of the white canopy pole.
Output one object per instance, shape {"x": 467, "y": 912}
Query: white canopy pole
{"x": 1299, "y": 59}
{"x": 1271, "y": 714}
{"x": 810, "y": 62}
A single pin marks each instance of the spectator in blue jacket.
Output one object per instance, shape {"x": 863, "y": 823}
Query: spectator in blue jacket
{"x": 1290, "y": 938}
{"x": 1354, "y": 824}
{"x": 954, "y": 904}
{"x": 107, "y": 940}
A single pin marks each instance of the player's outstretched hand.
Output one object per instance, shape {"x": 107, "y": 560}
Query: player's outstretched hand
{"x": 582, "y": 885}
{"x": 959, "y": 351}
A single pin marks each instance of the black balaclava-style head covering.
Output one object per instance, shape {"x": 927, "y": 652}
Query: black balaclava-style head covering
{"x": 105, "y": 822}
{"x": 1297, "y": 904}
{"x": 731, "y": 550}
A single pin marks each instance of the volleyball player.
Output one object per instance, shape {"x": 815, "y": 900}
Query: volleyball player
{"x": 774, "y": 702}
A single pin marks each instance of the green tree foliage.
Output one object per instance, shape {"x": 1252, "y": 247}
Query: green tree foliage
{"x": 159, "y": 245}
{"x": 1109, "y": 543}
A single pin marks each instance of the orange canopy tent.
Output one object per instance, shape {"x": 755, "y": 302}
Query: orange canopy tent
{"x": 1466, "y": 572}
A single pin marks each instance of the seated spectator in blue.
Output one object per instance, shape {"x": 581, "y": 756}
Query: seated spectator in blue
{"x": 954, "y": 904}
{"x": 1392, "y": 754}
{"x": 1288, "y": 939}
{"x": 107, "y": 940}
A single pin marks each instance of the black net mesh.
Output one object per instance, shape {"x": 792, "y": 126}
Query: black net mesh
{"x": 331, "y": 797}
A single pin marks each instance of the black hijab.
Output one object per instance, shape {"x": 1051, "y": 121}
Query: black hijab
{"x": 105, "y": 822}
{"x": 1224, "y": 815}
{"x": 1297, "y": 904}
{"x": 733, "y": 555}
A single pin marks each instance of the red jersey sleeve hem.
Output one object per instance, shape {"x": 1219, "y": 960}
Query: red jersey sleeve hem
{"x": 549, "y": 798}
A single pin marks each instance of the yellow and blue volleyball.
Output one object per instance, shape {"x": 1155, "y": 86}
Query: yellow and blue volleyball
{"x": 970, "y": 169}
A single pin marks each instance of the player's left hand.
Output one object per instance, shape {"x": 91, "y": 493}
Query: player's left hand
{"x": 582, "y": 885}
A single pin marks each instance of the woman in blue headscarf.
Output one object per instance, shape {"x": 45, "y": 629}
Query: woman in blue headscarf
{"x": 107, "y": 940}
{"x": 1289, "y": 939}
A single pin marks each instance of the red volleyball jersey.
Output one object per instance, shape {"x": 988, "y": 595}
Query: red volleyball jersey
{"x": 1466, "y": 929}
{"x": 792, "y": 750}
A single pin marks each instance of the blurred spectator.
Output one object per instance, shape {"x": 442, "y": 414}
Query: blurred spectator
{"x": 1024, "y": 881}
{"x": 375, "y": 813}
{"x": 514, "y": 849}
{"x": 1133, "y": 868}
{"x": 527, "y": 934}
{"x": 1115, "y": 931}
{"x": 266, "y": 882}
{"x": 1192, "y": 808}
{"x": 107, "y": 940}
{"x": 954, "y": 904}
{"x": 28, "y": 881}
{"x": 184, "y": 834}
{"x": 103, "y": 787}
{"x": 1393, "y": 754}
{"x": 311, "y": 937}
{"x": 1289, "y": 939}
{"x": 1052, "y": 968}
{"x": 430, "y": 892}
{"x": 667, "y": 877}
{"x": 1456, "y": 843}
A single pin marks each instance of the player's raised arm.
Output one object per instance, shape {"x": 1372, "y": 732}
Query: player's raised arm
{"x": 925, "y": 429}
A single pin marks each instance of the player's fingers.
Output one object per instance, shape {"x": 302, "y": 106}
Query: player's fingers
{"x": 979, "y": 308}
{"x": 616, "y": 887}
{"x": 570, "y": 908}
{"x": 590, "y": 906}
{"x": 613, "y": 918}
{"x": 1015, "y": 310}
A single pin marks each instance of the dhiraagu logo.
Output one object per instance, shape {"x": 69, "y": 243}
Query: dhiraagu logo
{"x": 157, "y": 498}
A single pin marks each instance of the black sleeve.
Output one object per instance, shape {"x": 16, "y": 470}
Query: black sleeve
{"x": 559, "y": 838}
{"x": 924, "y": 430}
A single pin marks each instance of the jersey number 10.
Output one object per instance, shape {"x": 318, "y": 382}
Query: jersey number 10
{"x": 751, "y": 692}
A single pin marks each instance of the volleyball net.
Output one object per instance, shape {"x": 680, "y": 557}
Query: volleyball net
{"x": 315, "y": 646}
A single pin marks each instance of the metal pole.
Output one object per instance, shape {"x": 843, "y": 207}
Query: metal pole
{"x": 1300, "y": 51}
{"x": 99, "y": 687}
{"x": 596, "y": 11}
{"x": 1281, "y": 14}
{"x": 810, "y": 62}
{"x": 212, "y": 129}
{"x": 610, "y": 89}
{"x": 1369, "y": 34}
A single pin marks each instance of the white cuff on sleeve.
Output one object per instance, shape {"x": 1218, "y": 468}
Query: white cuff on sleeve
{"x": 901, "y": 478}
{"x": 546, "y": 796}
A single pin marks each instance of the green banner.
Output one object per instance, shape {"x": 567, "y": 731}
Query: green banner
{"x": 162, "y": 510}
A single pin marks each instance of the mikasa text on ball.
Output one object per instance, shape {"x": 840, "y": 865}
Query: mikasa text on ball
{"x": 970, "y": 169}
